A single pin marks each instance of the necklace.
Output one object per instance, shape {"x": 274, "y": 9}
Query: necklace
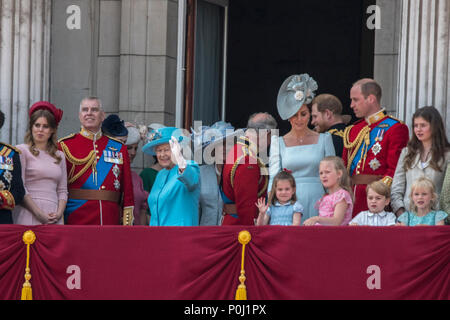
{"x": 303, "y": 138}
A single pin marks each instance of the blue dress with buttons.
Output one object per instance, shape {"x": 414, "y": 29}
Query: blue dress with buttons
{"x": 174, "y": 198}
{"x": 282, "y": 214}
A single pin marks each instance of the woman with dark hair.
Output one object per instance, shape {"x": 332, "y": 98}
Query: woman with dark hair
{"x": 426, "y": 155}
{"x": 301, "y": 150}
{"x": 43, "y": 169}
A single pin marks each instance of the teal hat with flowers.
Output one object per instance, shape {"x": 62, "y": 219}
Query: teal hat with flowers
{"x": 161, "y": 136}
{"x": 296, "y": 91}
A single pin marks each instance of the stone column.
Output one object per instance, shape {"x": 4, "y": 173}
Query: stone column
{"x": 387, "y": 52}
{"x": 424, "y": 63}
{"x": 148, "y": 62}
{"x": 24, "y": 60}
{"x": 148, "y": 54}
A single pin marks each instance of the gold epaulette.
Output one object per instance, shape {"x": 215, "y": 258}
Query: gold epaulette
{"x": 67, "y": 137}
{"x": 336, "y": 132}
{"x": 392, "y": 117}
{"x": 117, "y": 140}
{"x": 11, "y": 147}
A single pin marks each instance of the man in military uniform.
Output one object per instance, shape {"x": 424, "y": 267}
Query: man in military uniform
{"x": 245, "y": 176}
{"x": 11, "y": 184}
{"x": 98, "y": 172}
{"x": 326, "y": 116}
{"x": 372, "y": 145}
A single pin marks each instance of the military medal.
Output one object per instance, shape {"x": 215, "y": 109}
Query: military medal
{"x": 8, "y": 176}
{"x": 376, "y": 149}
{"x": 380, "y": 135}
{"x": 375, "y": 164}
{"x": 6, "y": 163}
{"x": 116, "y": 172}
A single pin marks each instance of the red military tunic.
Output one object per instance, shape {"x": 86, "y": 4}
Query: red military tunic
{"x": 244, "y": 180}
{"x": 371, "y": 150}
{"x": 99, "y": 180}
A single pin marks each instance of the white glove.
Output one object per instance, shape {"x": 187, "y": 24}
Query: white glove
{"x": 177, "y": 157}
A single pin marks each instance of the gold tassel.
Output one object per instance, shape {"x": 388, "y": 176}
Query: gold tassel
{"x": 241, "y": 293}
{"x": 28, "y": 238}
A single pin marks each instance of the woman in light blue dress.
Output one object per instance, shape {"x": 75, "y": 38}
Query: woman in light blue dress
{"x": 301, "y": 150}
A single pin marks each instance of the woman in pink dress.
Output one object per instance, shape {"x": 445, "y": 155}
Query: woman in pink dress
{"x": 43, "y": 169}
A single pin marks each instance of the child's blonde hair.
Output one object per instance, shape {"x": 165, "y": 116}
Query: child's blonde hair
{"x": 344, "y": 182}
{"x": 283, "y": 175}
{"x": 427, "y": 184}
{"x": 380, "y": 188}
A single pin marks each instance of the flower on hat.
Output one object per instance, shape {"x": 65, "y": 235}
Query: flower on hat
{"x": 299, "y": 96}
{"x": 303, "y": 86}
{"x": 153, "y": 135}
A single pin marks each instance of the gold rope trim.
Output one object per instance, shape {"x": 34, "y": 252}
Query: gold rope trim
{"x": 247, "y": 152}
{"x": 241, "y": 293}
{"x": 363, "y": 137}
{"x": 28, "y": 238}
{"x": 89, "y": 161}
{"x": 9, "y": 198}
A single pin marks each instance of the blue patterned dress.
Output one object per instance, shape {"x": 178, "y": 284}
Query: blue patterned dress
{"x": 411, "y": 219}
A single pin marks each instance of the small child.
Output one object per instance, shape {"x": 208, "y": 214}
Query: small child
{"x": 336, "y": 206}
{"x": 282, "y": 208}
{"x": 378, "y": 197}
{"x": 423, "y": 206}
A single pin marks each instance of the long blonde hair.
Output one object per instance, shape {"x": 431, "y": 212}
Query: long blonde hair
{"x": 52, "y": 143}
{"x": 344, "y": 181}
{"x": 283, "y": 175}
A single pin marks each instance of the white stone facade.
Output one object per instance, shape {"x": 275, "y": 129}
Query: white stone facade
{"x": 126, "y": 53}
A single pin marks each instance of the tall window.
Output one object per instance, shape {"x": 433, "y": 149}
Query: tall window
{"x": 205, "y": 63}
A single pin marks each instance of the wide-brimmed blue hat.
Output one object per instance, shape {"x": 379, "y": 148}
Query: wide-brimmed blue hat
{"x": 159, "y": 137}
{"x": 113, "y": 126}
{"x": 205, "y": 136}
{"x": 295, "y": 91}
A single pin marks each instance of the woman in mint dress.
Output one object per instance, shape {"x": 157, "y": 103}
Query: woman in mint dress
{"x": 301, "y": 150}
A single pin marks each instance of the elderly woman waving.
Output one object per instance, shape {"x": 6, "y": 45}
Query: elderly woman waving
{"x": 174, "y": 198}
